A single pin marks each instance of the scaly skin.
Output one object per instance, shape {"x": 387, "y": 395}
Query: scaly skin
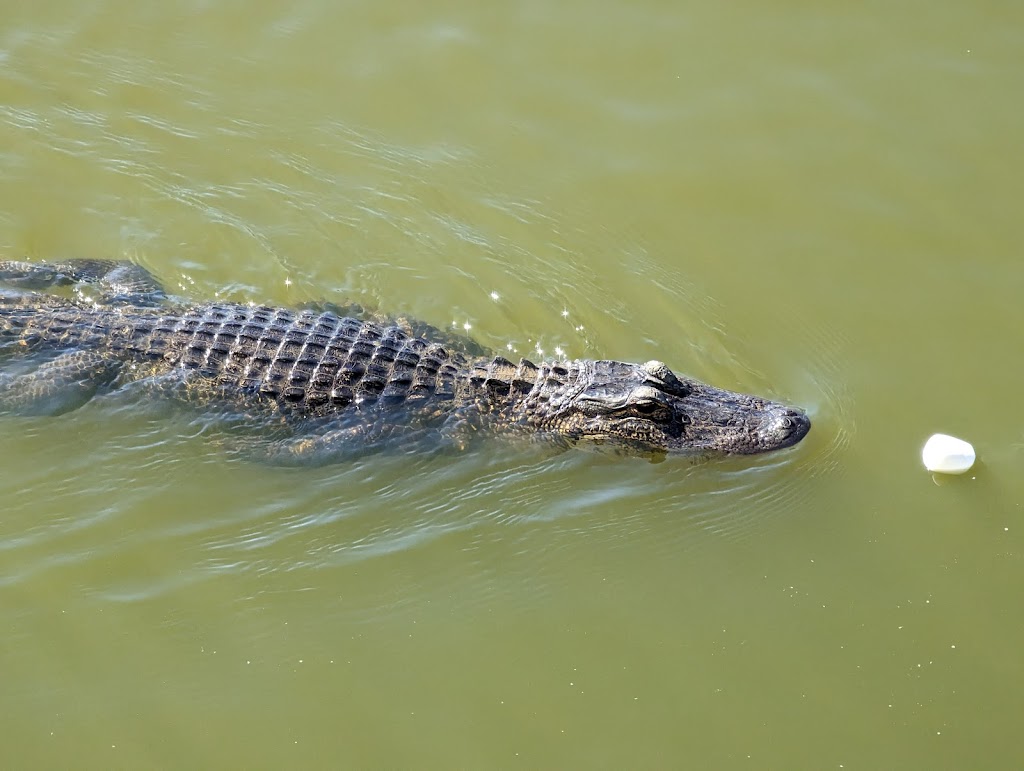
{"x": 342, "y": 385}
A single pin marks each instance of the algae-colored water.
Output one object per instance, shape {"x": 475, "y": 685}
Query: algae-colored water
{"x": 817, "y": 204}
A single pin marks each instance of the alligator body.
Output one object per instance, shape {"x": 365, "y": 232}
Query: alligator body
{"x": 322, "y": 385}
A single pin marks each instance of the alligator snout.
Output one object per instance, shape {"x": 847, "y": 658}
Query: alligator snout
{"x": 784, "y": 427}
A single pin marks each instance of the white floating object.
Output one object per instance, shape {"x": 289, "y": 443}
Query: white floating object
{"x": 947, "y": 455}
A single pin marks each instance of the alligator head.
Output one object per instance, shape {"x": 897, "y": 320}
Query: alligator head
{"x": 647, "y": 408}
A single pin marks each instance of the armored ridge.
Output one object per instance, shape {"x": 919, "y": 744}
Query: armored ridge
{"x": 336, "y": 385}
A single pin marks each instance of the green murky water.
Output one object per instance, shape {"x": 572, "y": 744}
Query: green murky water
{"x": 819, "y": 205}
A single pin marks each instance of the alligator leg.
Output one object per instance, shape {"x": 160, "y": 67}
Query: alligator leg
{"x": 117, "y": 281}
{"x": 304, "y": 450}
{"x": 315, "y": 449}
{"x": 59, "y": 385}
{"x": 334, "y": 446}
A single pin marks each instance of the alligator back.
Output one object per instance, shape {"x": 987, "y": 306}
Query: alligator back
{"x": 311, "y": 363}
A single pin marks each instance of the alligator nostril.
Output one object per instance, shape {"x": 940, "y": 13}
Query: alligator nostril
{"x": 797, "y": 424}
{"x": 786, "y": 424}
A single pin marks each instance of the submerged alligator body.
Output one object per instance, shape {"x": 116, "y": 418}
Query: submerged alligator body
{"x": 321, "y": 386}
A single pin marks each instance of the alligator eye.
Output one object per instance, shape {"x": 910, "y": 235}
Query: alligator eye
{"x": 650, "y": 409}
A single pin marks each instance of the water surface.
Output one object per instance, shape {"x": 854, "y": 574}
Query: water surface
{"x": 820, "y": 205}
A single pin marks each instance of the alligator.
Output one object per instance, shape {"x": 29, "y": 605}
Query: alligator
{"x": 321, "y": 385}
